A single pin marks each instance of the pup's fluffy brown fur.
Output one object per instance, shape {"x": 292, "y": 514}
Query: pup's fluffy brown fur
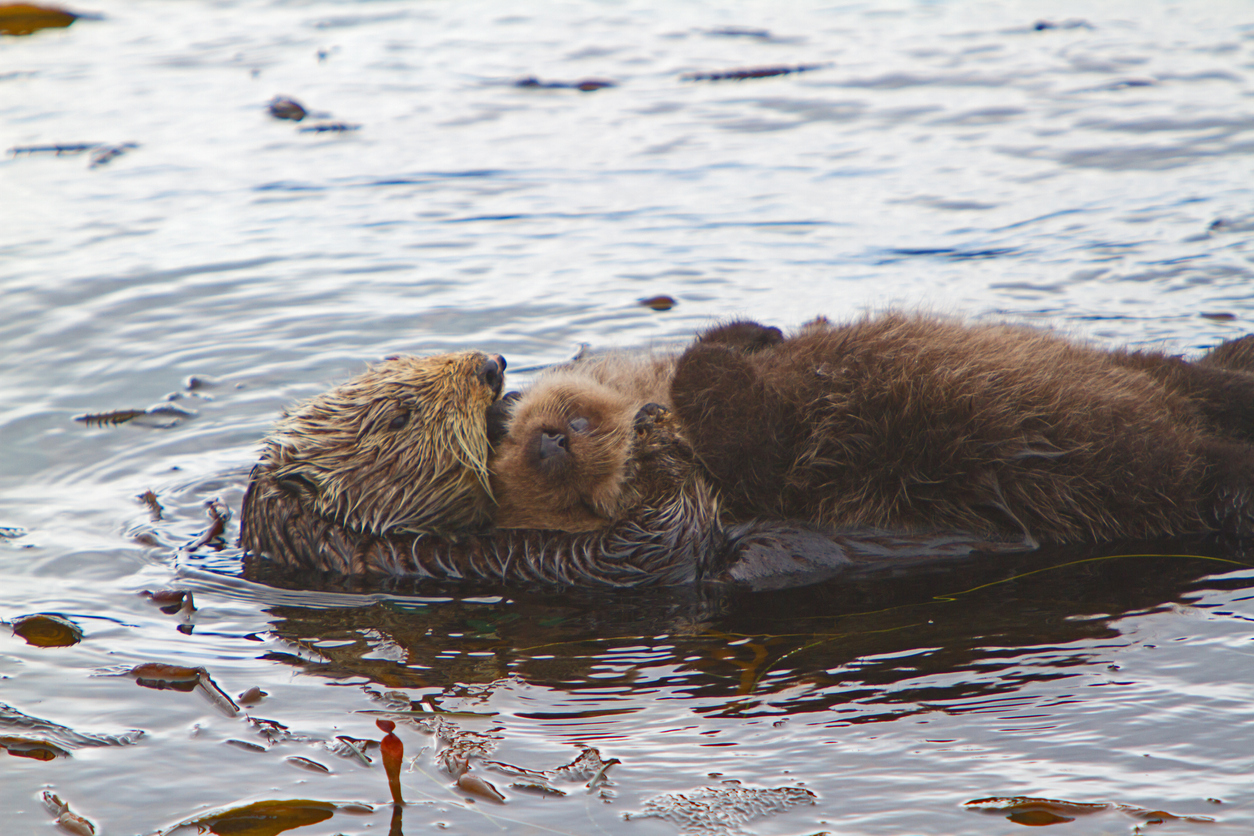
{"x": 914, "y": 422}
{"x": 570, "y": 460}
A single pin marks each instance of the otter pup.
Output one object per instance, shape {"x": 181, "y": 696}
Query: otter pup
{"x": 403, "y": 446}
{"x": 918, "y": 423}
{"x": 569, "y": 460}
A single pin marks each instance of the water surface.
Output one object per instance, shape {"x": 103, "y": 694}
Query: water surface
{"x": 1089, "y": 174}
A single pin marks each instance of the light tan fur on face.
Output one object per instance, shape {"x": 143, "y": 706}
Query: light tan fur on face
{"x": 403, "y": 446}
{"x": 587, "y": 486}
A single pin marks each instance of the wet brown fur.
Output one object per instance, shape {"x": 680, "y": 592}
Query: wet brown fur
{"x": 403, "y": 446}
{"x": 921, "y": 423}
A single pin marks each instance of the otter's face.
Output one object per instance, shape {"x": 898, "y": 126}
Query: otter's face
{"x": 404, "y": 445}
{"x": 563, "y": 464}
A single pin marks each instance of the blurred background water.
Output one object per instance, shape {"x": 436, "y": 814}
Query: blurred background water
{"x": 1077, "y": 167}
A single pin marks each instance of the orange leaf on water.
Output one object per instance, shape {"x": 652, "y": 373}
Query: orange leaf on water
{"x": 47, "y": 630}
{"x": 25, "y": 18}
{"x": 264, "y": 818}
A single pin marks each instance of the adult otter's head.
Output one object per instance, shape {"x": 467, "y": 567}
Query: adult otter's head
{"x": 402, "y": 446}
{"x": 565, "y": 462}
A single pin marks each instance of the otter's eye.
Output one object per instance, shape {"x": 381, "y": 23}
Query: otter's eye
{"x": 579, "y": 425}
{"x": 399, "y": 421}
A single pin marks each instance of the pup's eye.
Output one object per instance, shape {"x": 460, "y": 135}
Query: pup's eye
{"x": 399, "y": 421}
{"x": 579, "y": 425}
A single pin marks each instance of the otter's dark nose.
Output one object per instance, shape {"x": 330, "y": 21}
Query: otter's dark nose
{"x": 552, "y": 445}
{"x": 492, "y": 373}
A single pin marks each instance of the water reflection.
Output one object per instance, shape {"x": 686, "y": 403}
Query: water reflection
{"x": 887, "y": 644}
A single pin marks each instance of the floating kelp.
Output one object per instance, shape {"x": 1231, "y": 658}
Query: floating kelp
{"x": 725, "y": 808}
{"x": 252, "y": 696}
{"x": 1038, "y": 812}
{"x": 306, "y": 763}
{"x": 161, "y": 677}
{"x": 102, "y": 419}
{"x": 58, "y": 149}
{"x": 477, "y": 786}
{"x": 1070, "y": 23}
{"x": 330, "y": 127}
{"x": 101, "y": 153}
{"x": 246, "y": 745}
{"x": 43, "y": 630}
{"x": 162, "y": 416}
{"x": 154, "y": 507}
{"x": 275, "y": 732}
{"x": 68, "y": 821}
{"x": 658, "y": 303}
{"x": 219, "y": 516}
{"x": 26, "y": 747}
{"x": 282, "y": 107}
{"x": 104, "y": 154}
{"x": 172, "y": 601}
{"x": 263, "y": 818}
{"x": 25, "y": 18}
{"x": 537, "y": 788}
{"x": 352, "y": 748}
{"x": 739, "y": 32}
{"x": 751, "y": 72}
{"x": 589, "y": 766}
{"x": 587, "y": 85}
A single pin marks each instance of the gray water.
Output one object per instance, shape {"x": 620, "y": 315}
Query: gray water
{"x": 1091, "y": 176}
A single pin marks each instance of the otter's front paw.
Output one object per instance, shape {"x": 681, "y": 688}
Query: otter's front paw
{"x": 743, "y": 335}
{"x": 657, "y": 429}
{"x": 650, "y": 415}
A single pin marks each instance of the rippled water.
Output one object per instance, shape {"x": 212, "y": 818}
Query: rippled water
{"x": 1091, "y": 175}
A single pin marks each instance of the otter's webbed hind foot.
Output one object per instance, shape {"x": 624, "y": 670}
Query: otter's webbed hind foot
{"x": 769, "y": 554}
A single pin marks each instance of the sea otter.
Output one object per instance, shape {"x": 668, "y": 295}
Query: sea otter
{"x": 384, "y": 478}
{"x": 402, "y": 446}
{"x": 915, "y": 424}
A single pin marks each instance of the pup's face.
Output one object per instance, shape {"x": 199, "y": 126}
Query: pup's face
{"x": 404, "y": 445}
{"x": 563, "y": 463}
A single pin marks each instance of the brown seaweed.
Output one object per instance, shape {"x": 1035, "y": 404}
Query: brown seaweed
{"x": 751, "y": 72}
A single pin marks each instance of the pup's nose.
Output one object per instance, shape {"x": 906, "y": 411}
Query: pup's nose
{"x": 553, "y": 444}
